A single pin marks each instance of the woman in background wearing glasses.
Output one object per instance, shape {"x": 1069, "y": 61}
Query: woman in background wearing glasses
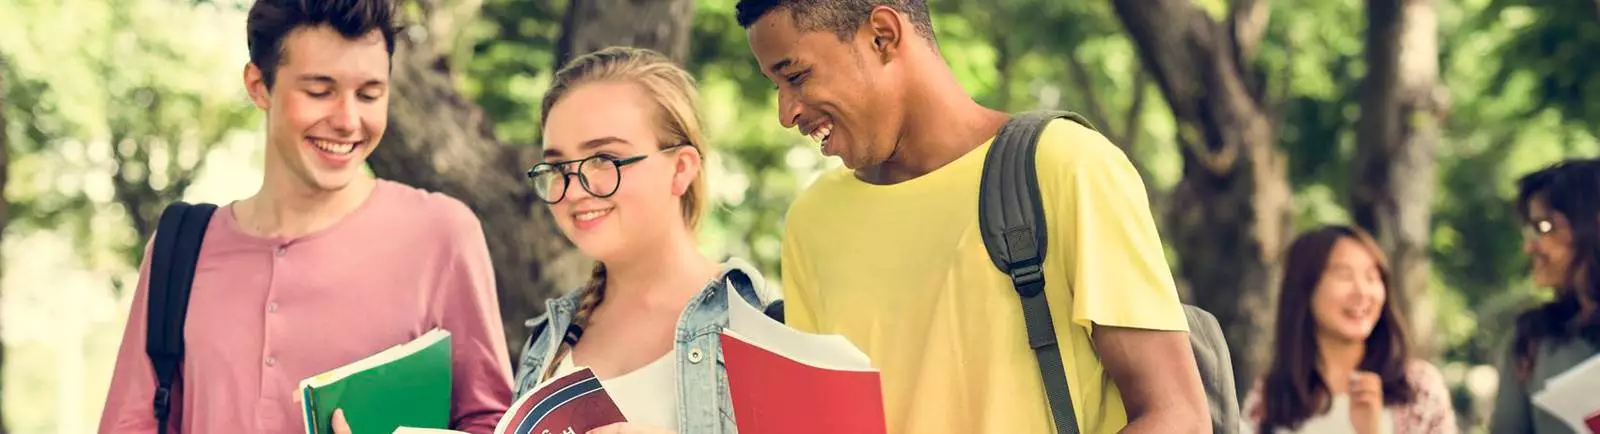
{"x": 1561, "y": 205}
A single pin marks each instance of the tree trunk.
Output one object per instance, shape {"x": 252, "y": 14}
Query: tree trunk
{"x": 1229, "y": 216}
{"x": 1392, "y": 179}
{"x": 661, "y": 25}
{"x": 439, "y": 140}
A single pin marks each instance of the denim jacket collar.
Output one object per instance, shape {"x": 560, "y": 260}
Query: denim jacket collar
{"x": 703, "y": 400}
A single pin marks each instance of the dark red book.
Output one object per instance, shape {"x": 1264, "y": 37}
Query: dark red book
{"x": 784, "y": 381}
{"x": 574, "y": 403}
{"x": 1593, "y": 421}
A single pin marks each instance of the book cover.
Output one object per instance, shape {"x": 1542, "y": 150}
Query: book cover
{"x": 406, "y": 385}
{"x": 574, "y": 403}
{"x": 784, "y": 381}
{"x": 1569, "y": 396}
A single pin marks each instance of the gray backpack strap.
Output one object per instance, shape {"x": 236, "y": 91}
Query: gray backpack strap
{"x": 1011, "y": 219}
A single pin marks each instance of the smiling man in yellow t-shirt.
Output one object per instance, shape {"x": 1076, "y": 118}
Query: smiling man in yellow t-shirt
{"x": 888, "y": 253}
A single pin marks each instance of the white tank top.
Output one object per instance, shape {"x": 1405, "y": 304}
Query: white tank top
{"x": 646, "y": 396}
{"x": 1335, "y": 421}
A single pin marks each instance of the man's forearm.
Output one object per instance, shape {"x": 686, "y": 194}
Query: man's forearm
{"x": 1160, "y": 394}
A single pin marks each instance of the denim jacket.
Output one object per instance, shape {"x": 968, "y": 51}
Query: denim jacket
{"x": 704, "y": 405}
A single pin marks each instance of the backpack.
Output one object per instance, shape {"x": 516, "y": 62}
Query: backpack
{"x": 172, "y": 264}
{"x": 1011, "y": 218}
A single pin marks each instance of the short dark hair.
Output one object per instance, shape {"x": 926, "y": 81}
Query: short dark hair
{"x": 271, "y": 21}
{"x": 842, "y": 17}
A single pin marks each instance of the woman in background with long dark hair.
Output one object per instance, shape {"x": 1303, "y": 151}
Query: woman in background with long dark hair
{"x": 1561, "y": 207}
{"x": 1340, "y": 361}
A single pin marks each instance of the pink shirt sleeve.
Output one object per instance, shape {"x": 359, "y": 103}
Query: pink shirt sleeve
{"x": 1431, "y": 411}
{"x": 129, "y": 405}
{"x": 470, "y": 310}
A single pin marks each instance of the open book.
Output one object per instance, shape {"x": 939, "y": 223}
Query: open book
{"x": 1570, "y": 396}
{"x": 405, "y": 385}
{"x": 786, "y": 381}
{"x": 574, "y": 403}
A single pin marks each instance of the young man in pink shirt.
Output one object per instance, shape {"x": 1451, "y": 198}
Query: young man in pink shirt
{"x": 324, "y": 265}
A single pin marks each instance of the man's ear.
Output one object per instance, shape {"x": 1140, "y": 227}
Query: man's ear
{"x": 255, "y": 83}
{"x": 687, "y": 168}
{"x": 884, "y": 32}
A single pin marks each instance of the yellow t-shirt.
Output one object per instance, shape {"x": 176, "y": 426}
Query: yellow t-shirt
{"x": 901, "y": 271}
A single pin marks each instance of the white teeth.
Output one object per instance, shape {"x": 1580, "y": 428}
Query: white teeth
{"x": 820, "y": 136}
{"x": 591, "y": 215}
{"x": 334, "y": 147}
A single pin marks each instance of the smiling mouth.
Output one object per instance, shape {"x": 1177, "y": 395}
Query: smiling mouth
{"x": 821, "y": 133}
{"x": 335, "y": 147}
{"x": 1358, "y": 312}
{"x": 585, "y": 216}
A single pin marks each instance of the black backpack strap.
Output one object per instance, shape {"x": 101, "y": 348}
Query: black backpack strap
{"x": 775, "y": 310}
{"x": 1011, "y": 219}
{"x": 177, "y": 248}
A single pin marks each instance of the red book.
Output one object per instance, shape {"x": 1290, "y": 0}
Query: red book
{"x": 575, "y": 403}
{"x": 1594, "y": 422}
{"x": 783, "y": 381}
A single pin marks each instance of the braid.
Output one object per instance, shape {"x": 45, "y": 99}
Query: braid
{"x": 593, "y": 293}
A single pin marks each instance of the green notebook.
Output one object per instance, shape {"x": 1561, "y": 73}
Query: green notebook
{"x": 407, "y": 385}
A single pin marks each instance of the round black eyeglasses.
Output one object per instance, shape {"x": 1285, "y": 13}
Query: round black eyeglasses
{"x": 600, "y": 175}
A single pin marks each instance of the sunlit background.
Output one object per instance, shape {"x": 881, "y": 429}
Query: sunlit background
{"x": 114, "y": 108}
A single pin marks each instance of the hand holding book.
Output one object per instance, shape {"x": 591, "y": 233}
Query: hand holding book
{"x": 406, "y": 385}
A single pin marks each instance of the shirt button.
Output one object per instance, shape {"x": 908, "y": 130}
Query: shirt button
{"x": 282, "y": 250}
{"x": 694, "y": 355}
{"x": 272, "y": 307}
{"x": 272, "y": 361}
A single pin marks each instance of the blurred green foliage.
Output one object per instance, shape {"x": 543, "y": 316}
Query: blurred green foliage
{"x": 86, "y": 76}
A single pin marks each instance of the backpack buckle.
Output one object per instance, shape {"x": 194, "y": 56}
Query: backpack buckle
{"x": 1029, "y": 279}
{"x": 163, "y": 402}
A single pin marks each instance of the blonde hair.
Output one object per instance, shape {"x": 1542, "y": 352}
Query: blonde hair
{"x": 677, "y": 122}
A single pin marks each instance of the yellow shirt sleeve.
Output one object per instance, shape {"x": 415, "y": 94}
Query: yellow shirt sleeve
{"x": 1101, "y": 226}
{"x": 797, "y": 296}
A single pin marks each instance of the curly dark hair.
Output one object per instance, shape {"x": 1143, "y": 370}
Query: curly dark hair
{"x": 841, "y": 17}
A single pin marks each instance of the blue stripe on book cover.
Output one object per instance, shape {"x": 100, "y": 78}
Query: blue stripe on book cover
{"x": 556, "y": 400}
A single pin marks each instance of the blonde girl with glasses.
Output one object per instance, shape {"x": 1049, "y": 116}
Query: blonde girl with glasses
{"x": 622, "y": 174}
